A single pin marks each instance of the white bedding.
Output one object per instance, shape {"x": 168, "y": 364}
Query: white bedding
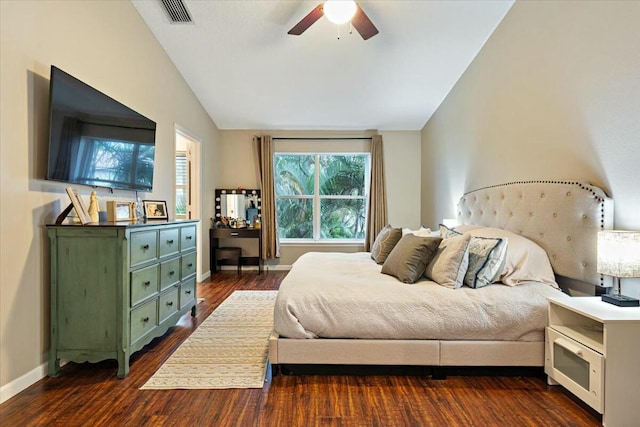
{"x": 339, "y": 295}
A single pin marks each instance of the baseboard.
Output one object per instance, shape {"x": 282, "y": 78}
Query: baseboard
{"x": 255, "y": 268}
{"x": 9, "y": 390}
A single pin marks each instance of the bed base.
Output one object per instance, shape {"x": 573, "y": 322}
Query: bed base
{"x": 284, "y": 351}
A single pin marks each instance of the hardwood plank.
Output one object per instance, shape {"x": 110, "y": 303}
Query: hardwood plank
{"x": 91, "y": 394}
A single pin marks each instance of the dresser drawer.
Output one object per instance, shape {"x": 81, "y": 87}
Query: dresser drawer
{"x": 169, "y": 273}
{"x": 187, "y": 292}
{"x": 167, "y": 304}
{"x": 144, "y": 283}
{"x": 187, "y": 237}
{"x": 144, "y": 245}
{"x": 143, "y": 320}
{"x": 188, "y": 265}
{"x": 169, "y": 241}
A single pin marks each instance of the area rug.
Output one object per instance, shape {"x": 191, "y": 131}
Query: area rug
{"x": 228, "y": 350}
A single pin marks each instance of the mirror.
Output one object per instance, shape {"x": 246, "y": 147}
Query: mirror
{"x": 237, "y": 208}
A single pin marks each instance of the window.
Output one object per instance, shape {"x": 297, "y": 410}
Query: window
{"x": 321, "y": 196}
{"x": 181, "y": 184}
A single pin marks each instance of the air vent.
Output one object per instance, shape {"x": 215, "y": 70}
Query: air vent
{"x": 177, "y": 11}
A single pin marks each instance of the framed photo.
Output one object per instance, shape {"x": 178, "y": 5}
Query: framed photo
{"x": 79, "y": 206}
{"x": 120, "y": 211}
{"x": 155, "y": 209}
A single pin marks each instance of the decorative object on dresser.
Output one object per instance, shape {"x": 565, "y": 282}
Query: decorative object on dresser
{"x": 120, "y": 211}
{"x": 592, "y": 349}
{"x": 117, "y": 286}
{"x": 619, "y": 256}
{"x": 155, "y": 209}
{"x": 77, "y": 204}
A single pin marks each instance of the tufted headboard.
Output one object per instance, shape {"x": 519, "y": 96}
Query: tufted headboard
{"x": 563, "y": 217}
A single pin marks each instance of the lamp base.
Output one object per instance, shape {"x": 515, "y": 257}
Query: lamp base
{"x": 620, "y": 300}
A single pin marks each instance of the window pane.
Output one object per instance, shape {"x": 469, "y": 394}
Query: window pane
{"x": 295, "y": 218}
{"x": 342, "y": 218}
{"x": 294, "y": 174}
{"x": 181, "y": 169}
{"x": 342, "y": 175}
{"x": 181, "y": 202}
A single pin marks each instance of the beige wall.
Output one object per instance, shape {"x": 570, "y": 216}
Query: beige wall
{"x": 239, "y": 168}
{"x": 553, "y": 94}
{"x": 107, "y": 45}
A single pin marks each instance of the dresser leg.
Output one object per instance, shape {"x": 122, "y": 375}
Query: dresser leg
{"x": 54, "y": 365}
{"x": 123, "y": 364}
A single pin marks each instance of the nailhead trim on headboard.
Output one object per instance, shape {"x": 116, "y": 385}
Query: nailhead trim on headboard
{"x": 553, "y": 214}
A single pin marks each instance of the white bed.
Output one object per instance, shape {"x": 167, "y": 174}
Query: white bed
{"x": 339, "y": 309}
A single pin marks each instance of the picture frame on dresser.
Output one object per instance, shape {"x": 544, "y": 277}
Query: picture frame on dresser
{"x": 155, "y": 209}
{"x": 120, "y": 211}
{"x": 78, "y": 206}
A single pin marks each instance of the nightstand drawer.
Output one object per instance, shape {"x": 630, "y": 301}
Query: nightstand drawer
{"x": 143, "y": 320}
{"x": 167, "y": 304}
{"x": 169, "y": 273}
{"x": 169, "y": 241}
{"x": 144, "y": 283}
{"x": 144, "y": 246}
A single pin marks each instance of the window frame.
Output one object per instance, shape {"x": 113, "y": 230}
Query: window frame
{"x": 317, "y": 198}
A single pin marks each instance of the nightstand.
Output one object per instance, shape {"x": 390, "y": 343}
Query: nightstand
{"x": 593, "y": 349}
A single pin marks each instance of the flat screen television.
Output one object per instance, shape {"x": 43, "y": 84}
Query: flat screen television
{"x": 95, "y": 140}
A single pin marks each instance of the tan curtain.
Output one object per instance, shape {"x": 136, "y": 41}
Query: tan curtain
{"x": 270, "y": 240}
{"x": 377, "y": 218}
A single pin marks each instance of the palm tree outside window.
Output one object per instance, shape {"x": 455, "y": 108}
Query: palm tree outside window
{"x": 322, "y": 196}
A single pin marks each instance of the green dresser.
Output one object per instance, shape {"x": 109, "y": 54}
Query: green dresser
{"x": 117, "y": 286}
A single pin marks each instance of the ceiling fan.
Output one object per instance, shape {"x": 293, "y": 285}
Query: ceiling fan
{"x": 338, "y": 12}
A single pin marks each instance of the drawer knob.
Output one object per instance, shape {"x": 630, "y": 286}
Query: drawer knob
{"x": 188, "y": 237}
{"x": 190, "y": 265}
{"x": 170, "y": 242}
{"x": 188, "y": 292}
{"x": 147, "y": 283}
{"x": 145, "y": 319}
{"x": 169, "y": 303}
{"x": 171, "y": 273}
{"x": 145, "y": 246}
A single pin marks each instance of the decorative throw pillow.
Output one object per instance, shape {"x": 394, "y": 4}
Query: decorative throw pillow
{"x": 526, "y": 261}
{"x": 422, "y": 232}
{"x": 384, "y": 243}
{"x": 449, "y": 265}
{"x": 409, "y": 258}
{"x": 487, "y": 257}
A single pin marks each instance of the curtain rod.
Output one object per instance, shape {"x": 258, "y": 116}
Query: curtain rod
{"x": 323, "y": 139}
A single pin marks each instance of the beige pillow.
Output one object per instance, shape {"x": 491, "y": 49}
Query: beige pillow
{"x": 449, "y": 265}
{"x": 422, "y": 232}
{"x": 409, "y": 258}
{"x": 384, "y": 243}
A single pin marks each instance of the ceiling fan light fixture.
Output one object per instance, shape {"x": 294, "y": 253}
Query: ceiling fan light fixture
{"x": 339, "y": 11}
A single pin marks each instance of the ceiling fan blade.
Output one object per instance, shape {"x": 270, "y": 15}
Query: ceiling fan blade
{"x": 363, "y": 24}
{"x": 307, "y": 21}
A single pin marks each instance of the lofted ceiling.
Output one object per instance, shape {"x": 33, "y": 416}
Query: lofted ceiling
{"x": 248, "y": 73}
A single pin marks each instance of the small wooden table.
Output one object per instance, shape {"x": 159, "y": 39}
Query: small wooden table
{"x": 215, "y": 234}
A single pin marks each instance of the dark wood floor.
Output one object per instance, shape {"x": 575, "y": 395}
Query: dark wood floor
{"x": 91, "y": 394}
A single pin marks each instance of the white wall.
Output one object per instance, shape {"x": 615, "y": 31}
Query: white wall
{"x": 553, "y": 94}
{"x": 239, "y": 168}
{"x": 107, "y": 45}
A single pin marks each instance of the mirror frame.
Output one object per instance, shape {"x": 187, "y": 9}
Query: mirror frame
{"x": 247, "y": 193}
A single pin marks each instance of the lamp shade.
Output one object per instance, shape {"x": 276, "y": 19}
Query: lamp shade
{"x": 619, "y": 253}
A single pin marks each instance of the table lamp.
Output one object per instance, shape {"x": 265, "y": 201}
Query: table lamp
{"x": 619, "y": 256}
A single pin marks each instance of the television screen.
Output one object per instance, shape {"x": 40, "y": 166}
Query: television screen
{"x": 95, "y": 140}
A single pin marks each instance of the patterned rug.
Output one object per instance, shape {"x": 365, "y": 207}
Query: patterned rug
{"x": 228, "y": 350}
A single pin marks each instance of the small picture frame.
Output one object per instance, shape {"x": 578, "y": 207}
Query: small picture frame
{"x": 155, "y": 209}
{"x": 120, "y": 211}
{"x": 79, "y": 206}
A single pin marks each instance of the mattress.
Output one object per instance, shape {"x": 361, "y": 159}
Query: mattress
{"x": 340, "y": 295}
